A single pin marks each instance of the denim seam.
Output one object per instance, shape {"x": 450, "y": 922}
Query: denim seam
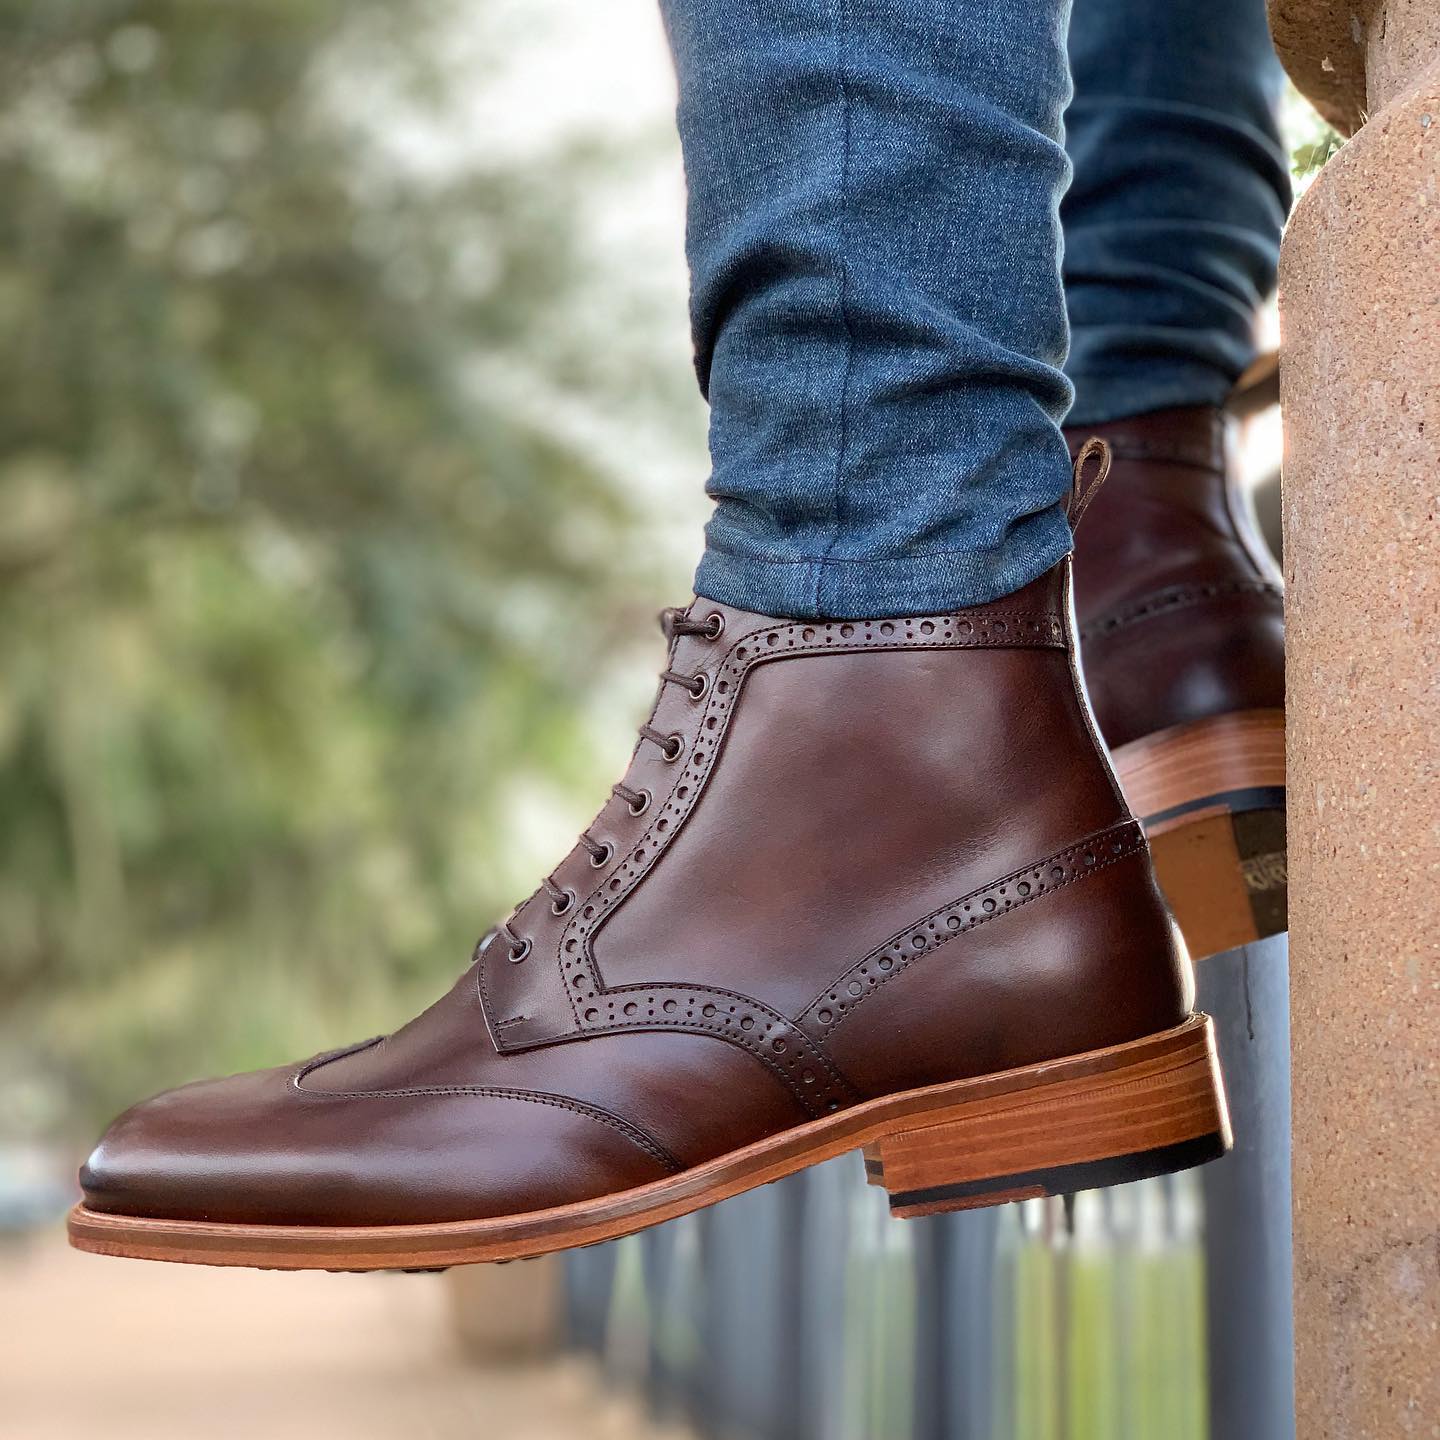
{"x": 842, "y": 12}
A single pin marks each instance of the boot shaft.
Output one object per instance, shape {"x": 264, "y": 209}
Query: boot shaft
{"x": 1179, "y": 603}
{"x": 837, "y": 809}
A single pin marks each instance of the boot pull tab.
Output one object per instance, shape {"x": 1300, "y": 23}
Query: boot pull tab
{"x": 1084, "y": 490}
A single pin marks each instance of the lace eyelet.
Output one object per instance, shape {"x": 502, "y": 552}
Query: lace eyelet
{"x": 520, "y": 951}
{"x": 673, "y": 748}
{"x": 562, "y": 907}
{"x": 641, "y": 803}
{"x": 700, "y": 686}
{"x": 715, "y": 625}
{"x": 604, "y": 857}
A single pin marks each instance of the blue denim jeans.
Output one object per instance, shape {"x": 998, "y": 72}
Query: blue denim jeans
{"x": 1172, "y": 222}
{"x": 874, "y": 235}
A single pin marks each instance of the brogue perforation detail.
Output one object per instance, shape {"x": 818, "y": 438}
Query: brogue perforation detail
{"x": 963, "y": 630}
{"x": 1180, "y": 597}
{"x": 828, "y": 1011}
{"x": 777, "y": 1042}
{"x": 818, "y": 1086}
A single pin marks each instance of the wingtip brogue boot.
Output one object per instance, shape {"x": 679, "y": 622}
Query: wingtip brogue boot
{"x": 1181, "y": 617}
{"x": 865, "y": 885}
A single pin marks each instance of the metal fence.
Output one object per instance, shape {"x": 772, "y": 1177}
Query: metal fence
{"x": 1155, "y": 1311}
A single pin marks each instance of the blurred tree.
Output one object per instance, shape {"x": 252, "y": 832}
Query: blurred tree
{"x": 290, "y": 608}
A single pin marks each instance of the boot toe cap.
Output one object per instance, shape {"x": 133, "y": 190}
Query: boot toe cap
{"x": 260, "y": 1149}
{"x": 181, "y": 1154}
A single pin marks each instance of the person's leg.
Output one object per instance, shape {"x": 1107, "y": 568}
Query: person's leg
{"x": 862, "y": 874}
{"x": 1172, "y": 230}
{"x": 878, "y": 319}
{"x": 1172, "y": 222}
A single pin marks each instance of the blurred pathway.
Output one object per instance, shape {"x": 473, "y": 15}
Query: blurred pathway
{"x": 134, "y": 1351}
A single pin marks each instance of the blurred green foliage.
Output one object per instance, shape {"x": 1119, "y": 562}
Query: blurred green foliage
{"x": 293, "y": 610}
{"x": 1310, "y": 157}
{"x": 1312, "y": 140}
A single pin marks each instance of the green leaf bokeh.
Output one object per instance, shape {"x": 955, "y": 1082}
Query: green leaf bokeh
{"x": 295, "y": 607}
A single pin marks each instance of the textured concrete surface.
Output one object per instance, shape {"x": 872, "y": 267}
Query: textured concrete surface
{"x": 134, "y": 1351}
{"x": 1360, "y": 380}
{"x": 1350, "y": 58}
{"x": 1403, "y": 42}
{"x": 1322, "y": 43}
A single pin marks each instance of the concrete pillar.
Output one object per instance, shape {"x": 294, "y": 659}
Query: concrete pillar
{"x": 507, "y": 1312}
{"x": 1360, "y": 385}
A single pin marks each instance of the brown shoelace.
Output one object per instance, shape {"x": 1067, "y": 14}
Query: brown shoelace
{"x": 673, "y": 623}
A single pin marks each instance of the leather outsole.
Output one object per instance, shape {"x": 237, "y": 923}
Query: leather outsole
{"x": 1145, "y": 1107}
{"x": 1211, "y": 797}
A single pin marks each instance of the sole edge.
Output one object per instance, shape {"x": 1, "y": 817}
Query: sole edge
{"x": 524, "y": 1236}
{"x": 1059, "y": 1179}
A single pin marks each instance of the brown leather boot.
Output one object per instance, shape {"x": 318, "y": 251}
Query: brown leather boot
{"x": 866, "y": 884}
{"x": 1182, "y": 634}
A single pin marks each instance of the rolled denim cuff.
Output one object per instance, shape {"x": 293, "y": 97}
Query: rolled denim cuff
{"x": 1143, "y": 388}
{"x": 873, "y": 588}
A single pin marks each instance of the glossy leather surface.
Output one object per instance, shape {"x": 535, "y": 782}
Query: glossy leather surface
{"x": 1179, "y": 603}
{"x": 886, "y": 853}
